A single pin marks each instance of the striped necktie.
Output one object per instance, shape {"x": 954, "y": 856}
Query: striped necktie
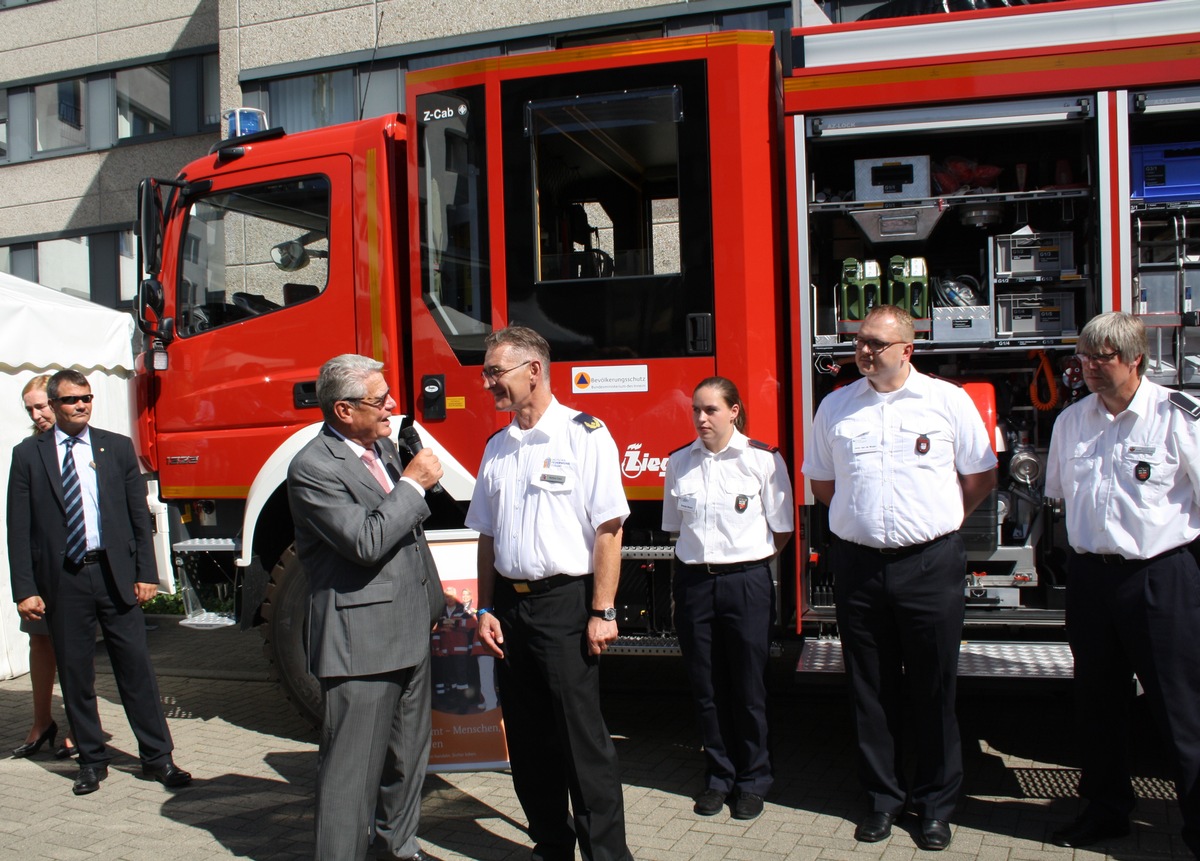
{"x": 76, "y": 528}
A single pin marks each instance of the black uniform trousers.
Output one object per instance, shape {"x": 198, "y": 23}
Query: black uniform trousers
{"x": 84, "y": 598}
{"x": 724, "y": 625}
{"x": 1143, "y": 617}
{"x": 900, "y": 616}
{"x": 558, "y": 745}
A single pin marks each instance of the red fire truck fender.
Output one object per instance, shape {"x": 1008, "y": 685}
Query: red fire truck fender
{"x": 458, "y": 482}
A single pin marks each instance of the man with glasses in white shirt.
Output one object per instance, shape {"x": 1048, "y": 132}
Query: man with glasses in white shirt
{"x": 1126, "y": 462}
{"x": 900, "y": 458}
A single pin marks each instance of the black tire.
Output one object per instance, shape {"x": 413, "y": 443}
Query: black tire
{"x": 285, "y": 629}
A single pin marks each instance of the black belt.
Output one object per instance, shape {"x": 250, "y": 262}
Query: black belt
{"x": 1118, "y": 559}
{"x": 545, "y": 584}
{"x": 724, "y": 567}
{"x": 92, "y": 557}
{"x": 900, "y": 552}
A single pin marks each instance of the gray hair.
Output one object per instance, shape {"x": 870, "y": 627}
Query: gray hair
{"x": 344, "y": 378}
{"x": 528, "y": 342}
{"x": 1119, "y": 331}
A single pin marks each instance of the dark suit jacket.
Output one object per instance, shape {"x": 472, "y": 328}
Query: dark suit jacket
{"x": 375, "y": 588}
{"x": 37, "y": 517}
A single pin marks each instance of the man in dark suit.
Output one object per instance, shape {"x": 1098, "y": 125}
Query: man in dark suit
{"x": 80, "y": 553}
{"x": 375, "y": 598}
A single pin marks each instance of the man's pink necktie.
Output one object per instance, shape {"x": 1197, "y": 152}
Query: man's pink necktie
{"x": 376, "y": 468}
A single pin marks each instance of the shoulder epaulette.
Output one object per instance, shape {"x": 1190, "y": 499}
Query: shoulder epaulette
{"x": 590, "y": 422}
{"x": 762, "y": 445}
{"x": 681, "y": 448}
{"x": 1186, "y": 403}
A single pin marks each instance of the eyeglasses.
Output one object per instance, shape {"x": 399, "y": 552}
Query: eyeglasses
{"x": 493, "y": 375}
{"x": 874, "y": 345}
{"x": 373, "y": 403}
{"x": 71, "y": 400}
{"x": 1098, "y": 358}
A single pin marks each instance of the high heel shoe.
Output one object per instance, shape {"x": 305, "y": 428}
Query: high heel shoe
{"x": 32, "y": 747}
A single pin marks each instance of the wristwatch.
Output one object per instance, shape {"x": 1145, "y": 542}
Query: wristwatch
{"x": 608, "y": 614}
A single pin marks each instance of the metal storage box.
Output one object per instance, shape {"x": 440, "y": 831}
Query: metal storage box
{"x": 900, "y": 178}
{"x": 1047, "y": 314}
{"x": 1031, "y": 255}
{"x": 1165, "y": 172}
{"x": 963, "y": 323}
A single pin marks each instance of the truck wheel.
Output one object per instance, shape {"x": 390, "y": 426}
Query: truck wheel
{"x": 284, "y": 629}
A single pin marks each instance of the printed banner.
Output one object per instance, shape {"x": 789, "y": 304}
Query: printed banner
{"x": 468, "y": 730}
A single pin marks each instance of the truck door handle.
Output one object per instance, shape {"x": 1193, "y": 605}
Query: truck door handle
{"x": 700, "y": 334}
{"x": 304, "y": 395}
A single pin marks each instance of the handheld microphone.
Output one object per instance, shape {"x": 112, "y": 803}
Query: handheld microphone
{"x": 412, "y": 441}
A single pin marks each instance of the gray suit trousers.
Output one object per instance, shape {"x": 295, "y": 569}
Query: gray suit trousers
{"x": 375, "y": 736}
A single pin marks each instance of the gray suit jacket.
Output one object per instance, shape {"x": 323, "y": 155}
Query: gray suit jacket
{"x": 375, "y": 588}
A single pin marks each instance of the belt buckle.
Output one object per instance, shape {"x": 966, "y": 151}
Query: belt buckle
{"x": 521, "y": 587}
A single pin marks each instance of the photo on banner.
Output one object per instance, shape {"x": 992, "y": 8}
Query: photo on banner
{"x": 468, "y": 729}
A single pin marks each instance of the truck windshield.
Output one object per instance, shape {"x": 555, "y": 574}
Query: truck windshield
{"x": 250, "y": 251}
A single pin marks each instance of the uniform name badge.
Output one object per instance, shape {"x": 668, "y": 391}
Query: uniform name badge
{"x": 687, "y": 503}
{"x": 741, "y": 502}
{"x": 922, "y": 446}
{"x": 1142, "y": 471}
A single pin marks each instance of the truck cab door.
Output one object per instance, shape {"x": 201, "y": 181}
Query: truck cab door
{"x": 261, "y": 295}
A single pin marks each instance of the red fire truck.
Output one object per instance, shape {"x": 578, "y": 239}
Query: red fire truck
{"x": 729, "y": 203}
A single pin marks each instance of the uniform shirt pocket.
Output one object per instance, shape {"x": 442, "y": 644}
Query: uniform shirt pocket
{"x": 687, "y": 495}
{"x": 741, "y": 494}
{"x": 859, "y": 445}
{"x": 555, "y": 477}
{"x": 1148, "y": 475}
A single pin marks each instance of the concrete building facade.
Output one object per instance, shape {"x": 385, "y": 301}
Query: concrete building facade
{"x": 96, "y": 94}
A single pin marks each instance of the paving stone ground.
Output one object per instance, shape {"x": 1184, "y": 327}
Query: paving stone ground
{"x": 253, "y": 760}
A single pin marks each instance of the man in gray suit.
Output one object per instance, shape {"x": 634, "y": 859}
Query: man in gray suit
{"x": 375, "y": 598}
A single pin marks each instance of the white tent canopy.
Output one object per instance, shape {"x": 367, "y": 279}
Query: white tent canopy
{"x": 41, "y": 332}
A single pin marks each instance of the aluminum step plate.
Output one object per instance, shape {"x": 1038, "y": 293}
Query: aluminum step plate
{"x": 979, "y": 659}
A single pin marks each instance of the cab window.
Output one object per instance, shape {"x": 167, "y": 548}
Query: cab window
{"x": 251, "y": 251}
{"x": 607, "y": 177}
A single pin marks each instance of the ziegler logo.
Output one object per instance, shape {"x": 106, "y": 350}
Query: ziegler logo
{"x": 178, "y": 460}
{"x": 635, "y": 462}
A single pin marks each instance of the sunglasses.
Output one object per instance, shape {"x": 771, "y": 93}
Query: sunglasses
{"x": 71, "y": 400}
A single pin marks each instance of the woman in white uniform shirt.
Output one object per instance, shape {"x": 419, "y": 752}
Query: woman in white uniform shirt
{"x": 729, "y": 500}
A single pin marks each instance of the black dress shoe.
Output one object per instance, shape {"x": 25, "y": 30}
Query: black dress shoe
{"x": 934, "y": 835}
{"x": 89, "y": 778}
{"x": 29, "y": 748}
{"x": 710, "y": 802}
{"x": 875, "y": 827}
{"x": 169, "y": 775}
{"x": 747, "y": 806}
{"x": 65, "y": 751}
{"x": 1089, "y": 829}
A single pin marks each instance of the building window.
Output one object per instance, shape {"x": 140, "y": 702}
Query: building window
{"x": 143, "y": 101}
{"x": 312, "y": 101}
{"x": 211, "y": 72}
{"x": 180, "y": 96}
{"x": 100, "y": 267}
{"x": 59, "y": 114}
{"x": 65, "y": 265}
{"x": 127, "y": 267}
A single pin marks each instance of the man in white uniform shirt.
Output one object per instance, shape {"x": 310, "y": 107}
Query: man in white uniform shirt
{"x": 549, "y": 506}
{"x": 900, "y": 458}
{"x": 1126, "y": 461}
